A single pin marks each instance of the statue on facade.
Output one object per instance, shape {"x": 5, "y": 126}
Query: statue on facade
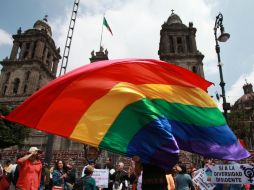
{"x": 92, "y": 53}
{"x": 19, "y": 31}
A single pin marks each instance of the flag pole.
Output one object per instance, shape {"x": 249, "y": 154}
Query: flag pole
{"x": 102, "y": 30}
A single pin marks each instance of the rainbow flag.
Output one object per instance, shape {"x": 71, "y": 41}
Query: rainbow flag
{"x": 141, "y": 107}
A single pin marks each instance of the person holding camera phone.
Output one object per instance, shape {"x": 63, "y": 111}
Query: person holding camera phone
{"x": 59, "y": 175}
{"x": 30, "y": 170}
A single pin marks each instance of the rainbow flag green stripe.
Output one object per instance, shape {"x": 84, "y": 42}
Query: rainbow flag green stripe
{"x": 154, "y": 109}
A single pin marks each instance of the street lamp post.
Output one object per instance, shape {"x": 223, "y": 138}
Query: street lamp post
{"x": 222, "y": 38}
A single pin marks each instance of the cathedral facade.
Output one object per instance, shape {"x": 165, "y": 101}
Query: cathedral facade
{"x": 178, "y": 45}
{"x": 32, "y": 63}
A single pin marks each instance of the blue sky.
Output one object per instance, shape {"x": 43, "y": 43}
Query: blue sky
{"x": 136, "y": 27}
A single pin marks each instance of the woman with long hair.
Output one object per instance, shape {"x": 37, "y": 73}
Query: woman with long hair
{"x": 59, "y": 175}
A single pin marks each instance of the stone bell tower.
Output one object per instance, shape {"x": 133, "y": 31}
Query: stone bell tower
{"x": 178, "y": 45}
{"x": 32, "y": 63}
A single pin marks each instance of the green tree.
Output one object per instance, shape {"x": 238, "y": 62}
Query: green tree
{"x": 11, "y": 133}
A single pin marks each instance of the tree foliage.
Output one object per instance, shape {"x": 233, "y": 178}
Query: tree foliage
{"x": 11, "y": 133}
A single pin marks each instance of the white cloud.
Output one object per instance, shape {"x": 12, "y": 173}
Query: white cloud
{"x": 5, "y": 38}
{"x": 236, "y": 90}
{"x": 136, "y": 27}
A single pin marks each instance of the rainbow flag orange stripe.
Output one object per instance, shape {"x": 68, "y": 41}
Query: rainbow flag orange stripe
{"x": 142, "y": 107}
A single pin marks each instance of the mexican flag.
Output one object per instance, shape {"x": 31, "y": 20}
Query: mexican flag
{"x": 105, "y": 23}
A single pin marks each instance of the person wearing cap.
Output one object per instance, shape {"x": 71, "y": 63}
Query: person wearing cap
{"x": 30, "y": 170}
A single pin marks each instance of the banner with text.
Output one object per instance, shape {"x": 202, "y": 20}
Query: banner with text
{"x": 101, "y": 177}
{"x": 231, "y": 174}
{"x": 200, "y": 180}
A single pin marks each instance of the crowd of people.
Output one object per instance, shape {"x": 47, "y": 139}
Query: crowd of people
{"x": 29, "y": 173}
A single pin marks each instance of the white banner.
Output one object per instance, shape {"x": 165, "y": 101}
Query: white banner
{"x": 200, "y": 180}
{"x": 101, "y": 177}
{"x": 231, "y": 174}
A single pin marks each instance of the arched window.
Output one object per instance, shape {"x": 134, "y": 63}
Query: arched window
{"x": 19, "y": 51}
{"x": 194, "y": 69}
{"x": 16, "y": 86}
{"x": 179, "y": 40}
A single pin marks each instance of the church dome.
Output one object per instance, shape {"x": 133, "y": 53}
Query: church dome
{"x": 43, "y": 25}
{"x": 174, "y": 19}
{"x": 246, "y": 101}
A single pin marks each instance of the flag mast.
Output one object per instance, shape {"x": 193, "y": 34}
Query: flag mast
{"x": 102, "y": 30}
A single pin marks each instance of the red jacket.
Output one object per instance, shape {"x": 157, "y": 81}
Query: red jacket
{"x": 29, "y": 175}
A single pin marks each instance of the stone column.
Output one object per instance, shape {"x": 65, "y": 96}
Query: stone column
{"x": 33, "y": 82}
{"x": 189, "y": 44}
{"x": 185, "y": 48}
{"x": 39, "y": 50}
{"x": 165, "y": 42}
{"x": 14, "y": 51}
{"x": 30, "y": 50}
{"x": 2, "y": 84}
{"x": 11, "y": 83}
{"x": 21, "y": 86}
{"x": 45, "y": 55}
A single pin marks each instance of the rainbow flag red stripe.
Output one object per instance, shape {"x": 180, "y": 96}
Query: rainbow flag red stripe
{"x": 141, "y": 107}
